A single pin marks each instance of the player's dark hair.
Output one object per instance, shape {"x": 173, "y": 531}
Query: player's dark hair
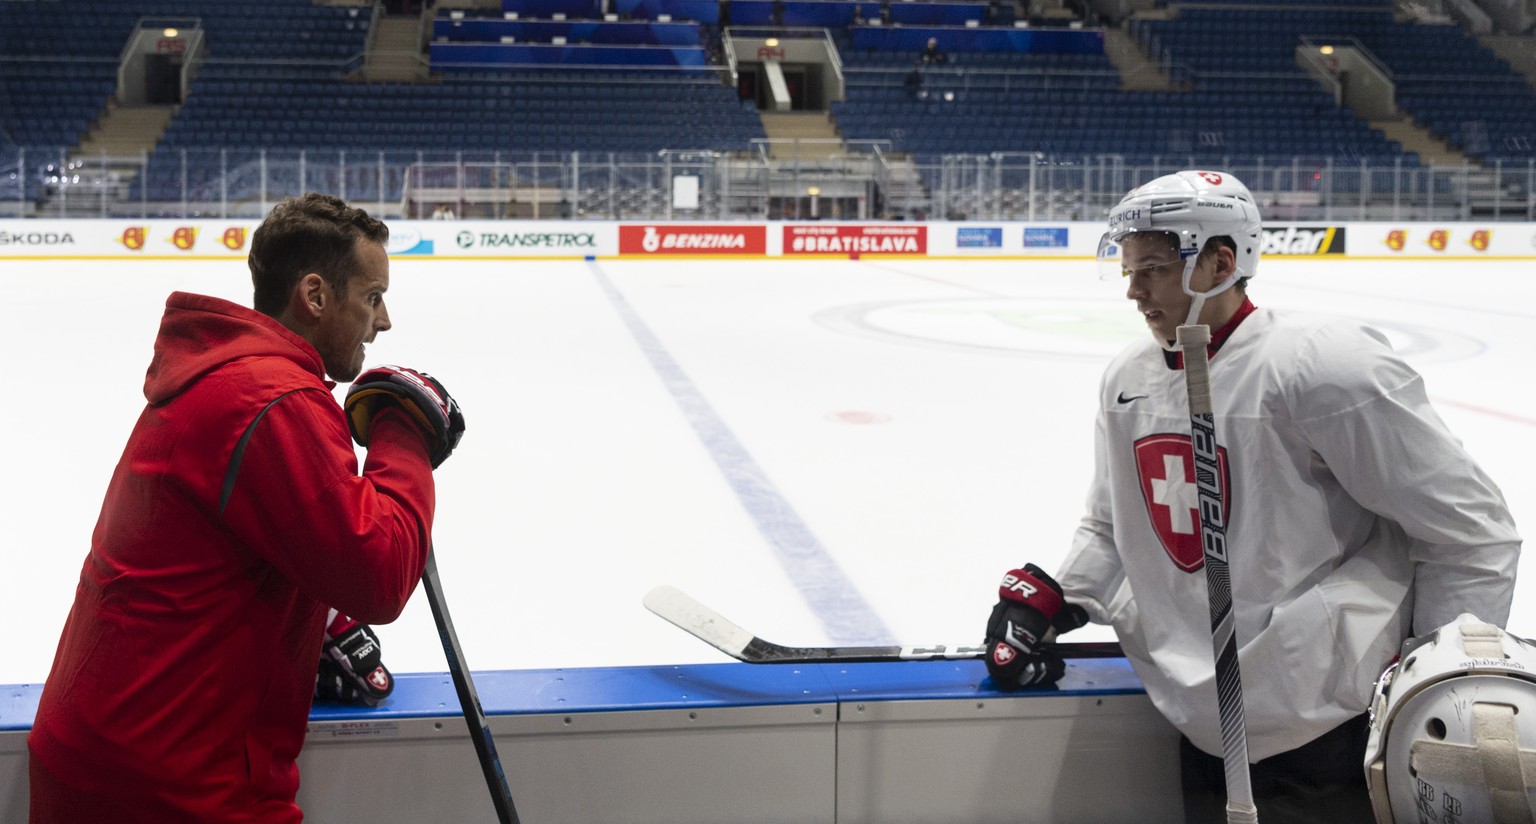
{"x": 309, "y": 233}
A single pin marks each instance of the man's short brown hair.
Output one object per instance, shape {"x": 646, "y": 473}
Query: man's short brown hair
{"x": 309, "y": 233}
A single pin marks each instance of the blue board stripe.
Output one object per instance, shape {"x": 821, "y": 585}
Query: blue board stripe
{"x": 832, "y": 597}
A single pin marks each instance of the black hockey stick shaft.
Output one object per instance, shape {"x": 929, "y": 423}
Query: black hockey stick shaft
{"x": 1209, "y": 479}
{"x": 714, "y": 629}
{"x": 469, "y": 700}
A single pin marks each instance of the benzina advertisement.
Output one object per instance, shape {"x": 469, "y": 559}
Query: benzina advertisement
{"x": 691, "y": 239}
{"x": 843, "y": 239}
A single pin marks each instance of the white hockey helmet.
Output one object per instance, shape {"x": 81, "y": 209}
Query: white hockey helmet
{"x": 1193, "y": 206}
{"x": 1453, "y": 729}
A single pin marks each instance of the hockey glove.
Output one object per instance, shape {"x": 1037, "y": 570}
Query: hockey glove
{"x": 420, "y": 395}
{"x": 1030, "y": 613}
{"x": 352, "y": 667}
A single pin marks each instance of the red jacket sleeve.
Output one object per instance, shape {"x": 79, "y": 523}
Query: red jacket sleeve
{"x": 355, "y": 543}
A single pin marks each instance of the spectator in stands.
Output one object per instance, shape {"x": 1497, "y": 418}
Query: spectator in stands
{"x": 913, "y": 82}
{"x": 182, "y": 684}
{"x": 931, "y": 55}
{"x": 858, "y": 15}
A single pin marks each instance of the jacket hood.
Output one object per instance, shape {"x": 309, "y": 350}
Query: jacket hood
{"x": 200, "y": 333}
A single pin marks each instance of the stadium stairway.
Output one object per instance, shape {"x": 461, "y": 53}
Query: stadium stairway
{"x": 1137, "y": 72}
{"x": 126, "y": 131}
{"x": 395, "y": 53}
{"x": 110, "y": 156}
{"x": 1414, "y": 138}
{"x": 1518, "y": 50}
{"x": 807, "y": 135}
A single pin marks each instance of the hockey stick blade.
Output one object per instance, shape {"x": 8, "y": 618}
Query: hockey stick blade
{"x": 698, "y": 620}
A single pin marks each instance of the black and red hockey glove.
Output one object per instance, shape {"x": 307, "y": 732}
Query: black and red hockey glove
{"x": 352, "y": 667}
{"x": 1030, "y": 613}
{"x": 420, "y": 395}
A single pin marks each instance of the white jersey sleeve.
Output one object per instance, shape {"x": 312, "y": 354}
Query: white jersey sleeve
{"x": 1092, "y": 574}
{"x": 1366, "y": 414}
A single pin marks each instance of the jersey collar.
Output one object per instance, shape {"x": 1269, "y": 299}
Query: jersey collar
{"x": 1175, "y": 359}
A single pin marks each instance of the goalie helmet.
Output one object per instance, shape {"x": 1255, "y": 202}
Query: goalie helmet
{"x": 1193, "y": 206}
{"x": 1453, "y": 729}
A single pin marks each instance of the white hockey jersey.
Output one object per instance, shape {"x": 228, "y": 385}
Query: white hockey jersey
{"x": 1352, "y": 511}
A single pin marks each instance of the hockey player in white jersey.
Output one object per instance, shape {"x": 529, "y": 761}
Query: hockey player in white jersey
{"x": 1353, "y": 516}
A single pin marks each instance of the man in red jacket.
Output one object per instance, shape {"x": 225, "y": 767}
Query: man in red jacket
{"x": 236, "y": 515}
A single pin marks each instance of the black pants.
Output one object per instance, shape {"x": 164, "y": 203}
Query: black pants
{"x": 1320, "y": 782}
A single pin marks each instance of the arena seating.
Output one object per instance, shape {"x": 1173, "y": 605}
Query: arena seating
{"x": 50, "y": 104}
{"x": 475, "y": 117}
{"x": 1445, "y": 80}
{"x": 287, "y": 29}
{"x": 276, "y": 82}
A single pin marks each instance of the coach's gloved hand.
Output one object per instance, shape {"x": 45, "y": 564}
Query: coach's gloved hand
{"x": 1030, "y": 613}
{"x": 351, "y": 664}
{"x": 420, "y": 395}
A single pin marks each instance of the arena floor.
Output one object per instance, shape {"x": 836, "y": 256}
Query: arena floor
{"x": 822, "y": 451}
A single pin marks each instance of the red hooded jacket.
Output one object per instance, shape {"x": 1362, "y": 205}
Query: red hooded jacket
{"x": 182, "y": 683}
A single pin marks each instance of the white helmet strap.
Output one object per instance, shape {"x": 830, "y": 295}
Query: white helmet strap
{"x": 1494, "y": 761}
{"x": 1451, "y": 729}
{"x": 1482, "y": 641}
{"x": 1199, "y": 297}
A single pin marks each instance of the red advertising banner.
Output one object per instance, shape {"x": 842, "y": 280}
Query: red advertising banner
{"x": 857, "y": 239}
{"x": 674, "y": 239}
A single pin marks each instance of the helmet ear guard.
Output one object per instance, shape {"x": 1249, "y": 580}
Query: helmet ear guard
{"x": 1453, "y": 729}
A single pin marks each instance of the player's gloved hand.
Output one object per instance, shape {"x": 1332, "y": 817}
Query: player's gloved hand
{"x": 352, "y": 664}
{"x": 1030, "y": 613}
{"x": 420, "y": 395}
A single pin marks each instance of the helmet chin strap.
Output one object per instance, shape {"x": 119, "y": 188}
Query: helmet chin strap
{"x": 1200, "y": 297}
{"x": 1195, "y": 305}
{"x": 1194, "y": 308}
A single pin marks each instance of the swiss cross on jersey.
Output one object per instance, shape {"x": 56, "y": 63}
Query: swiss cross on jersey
{"x": 1165, "y": 466}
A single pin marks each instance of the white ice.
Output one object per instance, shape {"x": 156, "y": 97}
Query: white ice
{"x": 927, "y": 423}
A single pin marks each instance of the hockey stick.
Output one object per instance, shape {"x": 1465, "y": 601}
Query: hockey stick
{"x": 469, "y": 700}
{"x": 1193, "y": 340}
{"x": 714, "y": 629}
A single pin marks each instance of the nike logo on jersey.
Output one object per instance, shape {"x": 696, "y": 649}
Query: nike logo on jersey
{"x": 1123, "y": 399}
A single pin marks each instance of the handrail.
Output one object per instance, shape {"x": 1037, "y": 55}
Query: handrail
{"x": 728, "y": 51}
{"x": 1011, "y": 185}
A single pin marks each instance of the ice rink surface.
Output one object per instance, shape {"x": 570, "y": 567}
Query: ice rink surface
{"x": 849, "y": 451}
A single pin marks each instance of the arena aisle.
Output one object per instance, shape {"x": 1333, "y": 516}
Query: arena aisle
{"x": 822, "y": 451}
